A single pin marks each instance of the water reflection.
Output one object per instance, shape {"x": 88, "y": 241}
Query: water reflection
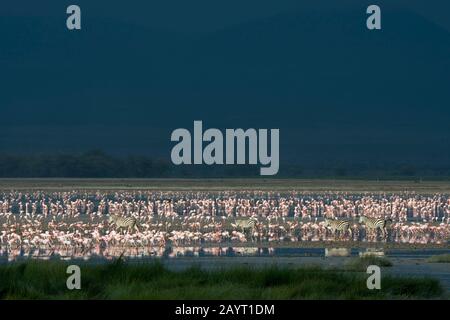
{"x": 99, "y": 253}
{"x": 371, "y": 252}
{"x": 337, "y": 252}
{"x": 109, "y": 253}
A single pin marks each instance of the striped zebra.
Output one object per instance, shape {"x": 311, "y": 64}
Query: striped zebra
{"x": 375, "y": 223}
{"x": 338, "y": 225}
{"x": 244, "y": 224}
{"x": 124, "y": 222}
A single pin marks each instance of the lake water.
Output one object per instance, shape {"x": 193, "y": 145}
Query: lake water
{"x": 144, "y": 253}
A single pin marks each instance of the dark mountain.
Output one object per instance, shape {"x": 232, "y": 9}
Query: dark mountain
{"x": 337, "y": 91}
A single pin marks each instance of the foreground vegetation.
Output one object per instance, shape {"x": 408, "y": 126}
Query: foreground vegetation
{"x": 118, "y": 280}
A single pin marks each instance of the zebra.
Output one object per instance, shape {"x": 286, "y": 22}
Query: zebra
{"x": 246, "y": 224}
{"x": 375, "y": 223}
{"x": 338, "y": 225}
{"x": 124, "y": 222}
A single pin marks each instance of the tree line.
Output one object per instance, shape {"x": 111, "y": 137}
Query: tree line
{"x": 98, "y": 164}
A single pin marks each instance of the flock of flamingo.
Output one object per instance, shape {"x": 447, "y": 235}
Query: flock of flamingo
{"x": 76, "y": 222}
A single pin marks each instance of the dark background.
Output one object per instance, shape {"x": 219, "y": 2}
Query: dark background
{"x": 102, "y": 101}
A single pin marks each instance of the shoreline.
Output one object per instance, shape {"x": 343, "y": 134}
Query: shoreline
{"x": 218, "y": 185}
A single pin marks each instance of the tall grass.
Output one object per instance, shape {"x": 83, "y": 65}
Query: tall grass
{"x": 441, "y": 258}
{"x": 47, "y": 280}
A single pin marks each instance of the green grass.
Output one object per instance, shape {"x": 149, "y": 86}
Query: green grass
{"x": 361, "y": 264}
{"x": 441, "y": 258}
{"x": 47, "y": 280}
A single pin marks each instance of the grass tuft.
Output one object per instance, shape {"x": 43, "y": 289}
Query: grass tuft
{"x": 441, "y": 258}
{"x": 361, "y": 264}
